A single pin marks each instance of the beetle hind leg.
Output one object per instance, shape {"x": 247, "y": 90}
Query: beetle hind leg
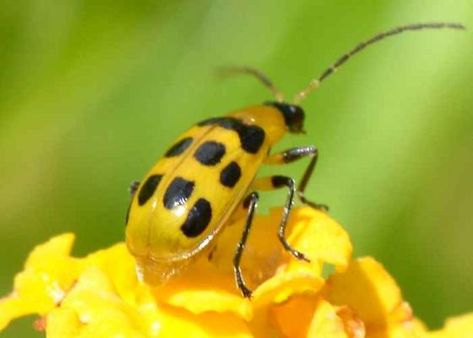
{"x": 250, "y": 202}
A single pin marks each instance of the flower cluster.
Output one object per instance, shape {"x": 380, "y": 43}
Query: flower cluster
{"x": 332, "y": 296}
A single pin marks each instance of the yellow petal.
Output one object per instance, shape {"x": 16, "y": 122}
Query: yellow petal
{"x": 310, "y": 316}
{"x": 100, "y": 296}
{"x": 293, "y": 317}
{"x": 331, "y": 322}
{"x": 412, "y": 328}
{"x": 118, "y": 264}
{"x": 370, "y": 291}
{"x": 320, "y": 238}
{"x": 457, "y": 327}
{"x": 12, "y": 307}
{"x": 354, "y": 326}
{"x": 179, "y": 323}
{"x": 284, "y": 285}
{"x": 99, "y": 309}
{"x": 49, "y": 272}
{"x": 202, "y": 288}
{"x": 63, "y": 323}
{"x": 94, "y": 309}
{"x": 282, "y": 288}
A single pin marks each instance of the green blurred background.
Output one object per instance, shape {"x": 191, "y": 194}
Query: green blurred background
{"x": 92, "y": 92}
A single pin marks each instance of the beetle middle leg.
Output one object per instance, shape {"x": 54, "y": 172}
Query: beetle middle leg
{"x": 250, "y": 202}
{"x": 275, "y": 182}
{"x": 292, "y": 155}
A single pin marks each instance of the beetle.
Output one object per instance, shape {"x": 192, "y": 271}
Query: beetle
{"x": 186, "y": 199}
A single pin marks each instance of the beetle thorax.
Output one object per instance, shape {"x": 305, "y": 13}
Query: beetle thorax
{"x": 266, "y": 117}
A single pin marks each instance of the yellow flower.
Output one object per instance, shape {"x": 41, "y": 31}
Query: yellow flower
{"x": 100, "y": 295}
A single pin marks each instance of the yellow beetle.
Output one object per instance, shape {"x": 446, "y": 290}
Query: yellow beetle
{"x": 185, "y": 200}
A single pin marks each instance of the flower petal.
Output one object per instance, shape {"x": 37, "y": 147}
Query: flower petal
{"x": 456, "y": 327}
{"x": 118, "y": 264}
{"x": 94, "y": 309}
{"x": 49, "y": 272}
{"x": 409, "y": 329}
{"x": 202, "y": 288}
{"x": 293, "y": 317}
{"x": 63, "y": 323}
{"x": 320, "y": 238}
{"x": 98, "y": 308}
{"x": 370, "y": 291}
{"x": 284, "y": 285}
{"x": 331, "y": 322}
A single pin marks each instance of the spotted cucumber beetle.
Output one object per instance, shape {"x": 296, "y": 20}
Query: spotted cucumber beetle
{"x": 185, "y": 200}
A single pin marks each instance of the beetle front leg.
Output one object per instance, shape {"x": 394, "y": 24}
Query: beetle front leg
{"x": 292, "y": 155}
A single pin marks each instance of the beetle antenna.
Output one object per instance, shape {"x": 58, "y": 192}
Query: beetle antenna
{"x": 259, "y": 75}
{"x": 315, "y": 83}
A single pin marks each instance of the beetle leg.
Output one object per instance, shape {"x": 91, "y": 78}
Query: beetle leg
{"x": 251, "y": 201}
{"x": 292, "y": 155}
{"x": 133, "y": 187}
{"x": 274, "y": 182}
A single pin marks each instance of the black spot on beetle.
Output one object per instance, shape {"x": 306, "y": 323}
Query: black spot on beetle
{"x": 231, "y": 123}
{"x": 178, "y": 193}
{"x": 198, "y": 218}
{"x": 179, "y": 147}
{"x": 251, "y": 136}
{"x": 210, "y": 153}
{"x": 230, "y": 175}
{"x": 210, "y": 121}
{"x": 148, "y": 188}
